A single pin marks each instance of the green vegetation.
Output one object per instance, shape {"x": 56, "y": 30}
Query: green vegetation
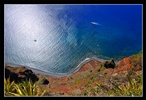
{"x": 9, "y": 87}
{"x": 25, "y": 88}
{"x": 101, "y": 67}
{"x": 100, "y": 81}
{"x": 107, "y": 64}
{"x": 139, "y": 55}
{"x": 137, "y": 58}
{"x": 133, "y": 88}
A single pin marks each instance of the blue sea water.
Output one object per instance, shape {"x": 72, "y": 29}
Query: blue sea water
{"x": 58, "y": 39}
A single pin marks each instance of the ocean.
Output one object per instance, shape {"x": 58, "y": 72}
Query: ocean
{"x": 58, "y": 38}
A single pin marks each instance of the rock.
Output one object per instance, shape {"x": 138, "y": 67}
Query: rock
{"x": 133, "y": 62}
{"x": 9, "y": 74}
{"x": 45, "y": 82}
{"x": 110, "y": 64}
{"x": 26, "y": 75}
{"x": 19, "y": 74}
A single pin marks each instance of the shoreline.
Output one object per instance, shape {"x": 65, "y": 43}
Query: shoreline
{"x": 51, "y": 74}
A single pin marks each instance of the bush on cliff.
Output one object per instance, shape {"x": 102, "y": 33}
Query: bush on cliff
{"x": 110, "y": 64}
{"x": 25, "y": 88}
{"x": 107, "y": 64}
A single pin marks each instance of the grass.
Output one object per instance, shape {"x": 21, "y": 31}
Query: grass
{"x": 25, "y": 88}
{"x": 9, "y": 87}
{"x": 133, "y": 88}
{"x": 95, "y": 83}
{"x": 139, "y": 55}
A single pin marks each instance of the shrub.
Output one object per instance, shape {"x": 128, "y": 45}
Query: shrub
{"x": 133, "y": 88}
{"x": 8, "y": 87}
{"x": 110, "y": 64}
{"x": 25, "y": 88}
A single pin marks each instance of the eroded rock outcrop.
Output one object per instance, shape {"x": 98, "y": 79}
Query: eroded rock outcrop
{"x": 19, "y": 74}
{"x": 133, "y": 62}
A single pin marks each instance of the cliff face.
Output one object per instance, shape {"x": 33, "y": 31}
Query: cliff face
{"x": 90, "y": 66}
{"x": 89, "y": 75}
{"x": 133, "y": 62}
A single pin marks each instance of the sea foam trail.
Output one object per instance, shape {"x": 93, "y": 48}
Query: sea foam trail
{"x": 37, "y": 71}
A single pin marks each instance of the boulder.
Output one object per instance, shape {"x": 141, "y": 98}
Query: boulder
{"x": 19, "y": 74}
{"x": 45, "y": 82}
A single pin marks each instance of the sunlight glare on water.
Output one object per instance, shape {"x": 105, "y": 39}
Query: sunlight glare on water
{"x": 57, "y": 38}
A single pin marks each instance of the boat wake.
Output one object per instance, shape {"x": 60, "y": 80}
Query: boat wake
{"x": 95, "y": 23}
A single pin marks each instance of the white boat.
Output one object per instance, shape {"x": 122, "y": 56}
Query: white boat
{"x": 95, "y": 23}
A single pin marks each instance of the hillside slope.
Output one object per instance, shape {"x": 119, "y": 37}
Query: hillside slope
{"x": 95, "y": 78}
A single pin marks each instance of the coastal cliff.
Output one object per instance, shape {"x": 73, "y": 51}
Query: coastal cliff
{"x": 94, "y": 78}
